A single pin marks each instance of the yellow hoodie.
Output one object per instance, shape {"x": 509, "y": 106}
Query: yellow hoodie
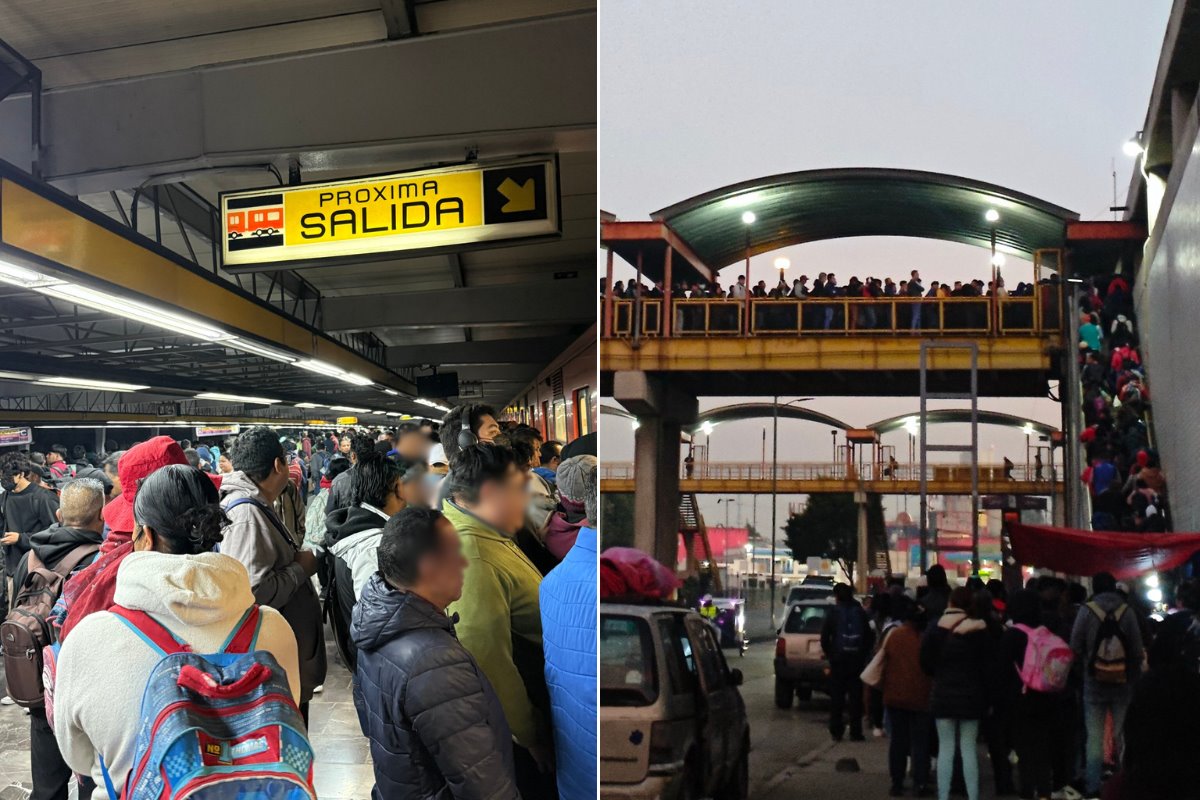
{"x": 499, "y": 603}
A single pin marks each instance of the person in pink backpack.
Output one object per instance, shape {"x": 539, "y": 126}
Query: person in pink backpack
{"x": 1035, "y": 662}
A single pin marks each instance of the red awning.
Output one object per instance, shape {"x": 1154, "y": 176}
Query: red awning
{"x": 1077, "y": 552}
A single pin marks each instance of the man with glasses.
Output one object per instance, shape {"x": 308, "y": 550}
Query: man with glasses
{"x": 499, "y": 613}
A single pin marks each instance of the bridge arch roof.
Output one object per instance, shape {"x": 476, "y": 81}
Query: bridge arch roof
{"x": 813, "y": 205}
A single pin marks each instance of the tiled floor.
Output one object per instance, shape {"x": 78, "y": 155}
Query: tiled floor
{"x": 343, "y": 768}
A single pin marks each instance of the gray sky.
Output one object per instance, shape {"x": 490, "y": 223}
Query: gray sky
{"x": 1035, "y": 96}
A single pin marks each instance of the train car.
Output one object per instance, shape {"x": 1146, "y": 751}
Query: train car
{"x": 254, "y": 222}
{"x": 561, "y": 401}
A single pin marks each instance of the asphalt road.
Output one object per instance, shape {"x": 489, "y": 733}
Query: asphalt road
{"x": 792, "y": 756}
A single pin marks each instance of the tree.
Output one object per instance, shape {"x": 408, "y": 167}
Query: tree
{"x": 828, "y": 528}
{"x": 616, "y": 519}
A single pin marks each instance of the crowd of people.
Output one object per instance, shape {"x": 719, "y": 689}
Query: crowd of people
{"x": 1069, "y": 692}
{"x": 1123, "y": 473}
{"x": 455, "y": 564}
{"x": 868, "y": 316}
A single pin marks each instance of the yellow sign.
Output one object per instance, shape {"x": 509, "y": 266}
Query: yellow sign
{"x": 347, "y": 420}
{"x": 217, "y": 430}
{"x": 449, "y": 207}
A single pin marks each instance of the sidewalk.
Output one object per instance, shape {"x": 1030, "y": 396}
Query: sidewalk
{"x": 818, "y": 773}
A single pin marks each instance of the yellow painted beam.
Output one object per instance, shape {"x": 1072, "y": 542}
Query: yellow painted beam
{"x": 790, "y": 353}
{"x": 36, "y": 224}
{"x": 74, "y": 417}
{"x": 830, "y": 485}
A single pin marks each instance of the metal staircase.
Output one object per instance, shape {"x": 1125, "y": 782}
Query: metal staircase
{"x": 691, "y": 524}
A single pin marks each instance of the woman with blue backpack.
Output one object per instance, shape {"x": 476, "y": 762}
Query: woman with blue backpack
{"x": 176, "y": 599}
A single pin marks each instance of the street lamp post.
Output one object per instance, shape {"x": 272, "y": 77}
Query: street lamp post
{"x": 748, "y": 218}
{"x": 782, "y": 265}
{"x": 775, "y": 488}
{"x": 993, "y": 216}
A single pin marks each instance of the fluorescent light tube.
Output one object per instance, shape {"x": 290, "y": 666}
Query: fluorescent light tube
{"x": 235, "y": 398}
{"x": 238, "y": 343}
{"x": 87, "y": 383}
{"x": 135, "y": 310}
{"x": 330, "y": 371}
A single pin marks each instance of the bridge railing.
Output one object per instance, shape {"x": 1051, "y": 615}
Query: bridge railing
{"x": 843, "y": 316}
{"x": 814, "y": 471}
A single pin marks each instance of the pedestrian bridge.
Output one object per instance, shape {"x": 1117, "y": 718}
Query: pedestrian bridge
{"x": 734, "y": 477}
{"x": 869, "y": 347}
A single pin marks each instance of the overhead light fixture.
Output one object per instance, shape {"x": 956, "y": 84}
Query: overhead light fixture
{"x": 1028, "y": 429}
{"x": 87, "y": 383}
{"x": 22, "y": 276}
{"x": 238, "y": 343}
{"x": 235, "y": 398}
{"x": 1133, "y": 148}
{"x": 308, "y": 405}
{"x": 998, "y": 260}
{"x": 135, "y": 310}
{"x": 392, "y": 392}
{"x": 431, "y": 404}
{"x": 992, "y": 215}
{"x": 636, "y": 424}
{"x": 330, "y": 371}
{"x": 748, "y": 217}
{"x": 351, "y": 409}
{"x": 706, "y": 427}
{"x": 393, "y": 413}
{"x": 782, "y": 263}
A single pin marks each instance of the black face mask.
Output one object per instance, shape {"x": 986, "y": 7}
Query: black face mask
{"x": 8, "y": 483}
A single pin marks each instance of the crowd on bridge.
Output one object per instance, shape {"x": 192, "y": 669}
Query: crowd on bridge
{"x": 1124, "y": 475}
{"x": 1071, "y": 695}
{"x": 867, "y": 315}
{"x": 454, "y": 566}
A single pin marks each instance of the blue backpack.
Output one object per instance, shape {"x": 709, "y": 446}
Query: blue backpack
{"x": 216, "y": 726}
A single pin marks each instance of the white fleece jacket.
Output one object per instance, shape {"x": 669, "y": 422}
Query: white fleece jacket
{"x": 103, "y": 665}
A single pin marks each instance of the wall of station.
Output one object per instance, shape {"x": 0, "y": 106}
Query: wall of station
{"x": 1167, "y": 296}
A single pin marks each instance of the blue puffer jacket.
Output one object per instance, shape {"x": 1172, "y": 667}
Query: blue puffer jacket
{"x": 436, "y": 728}
{"x": 569, "y": 599}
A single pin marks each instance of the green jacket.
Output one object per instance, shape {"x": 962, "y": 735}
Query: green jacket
{"x": 499, "y": 604}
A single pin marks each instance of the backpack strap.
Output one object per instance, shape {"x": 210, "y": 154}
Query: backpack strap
{"x": 150, "y": 631}
{"x": 72, "y": 559}
{"x": 108, "y": 783}
{"x": 244, "y": 637}
{"x": 276, "y": 523}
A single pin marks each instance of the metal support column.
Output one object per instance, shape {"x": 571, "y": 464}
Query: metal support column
{"x": 973, "y": 448}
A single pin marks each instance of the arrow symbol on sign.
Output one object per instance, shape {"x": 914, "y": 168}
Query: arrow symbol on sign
{"x": 520, "y": 195}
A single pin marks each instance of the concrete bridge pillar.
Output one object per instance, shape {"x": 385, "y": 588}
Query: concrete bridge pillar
{"x": 661, "y": 410}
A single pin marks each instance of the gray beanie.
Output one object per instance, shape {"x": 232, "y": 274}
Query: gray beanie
{"x": 576, "y": 480}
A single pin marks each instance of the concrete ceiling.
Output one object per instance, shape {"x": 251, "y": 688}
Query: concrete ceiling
{"x": 216, "y": 96}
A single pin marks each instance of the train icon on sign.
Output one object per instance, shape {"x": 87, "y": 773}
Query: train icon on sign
{"x": 254, "y": 222}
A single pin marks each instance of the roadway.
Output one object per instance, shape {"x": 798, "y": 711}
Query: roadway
{"x": 792, "y": 754}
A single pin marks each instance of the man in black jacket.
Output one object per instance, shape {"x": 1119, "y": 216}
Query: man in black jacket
{"x": 847, "y": 640}
{"x": 79, "y": 525}
{"x": 25, "y": 508}
{"x": 436, "y": 727}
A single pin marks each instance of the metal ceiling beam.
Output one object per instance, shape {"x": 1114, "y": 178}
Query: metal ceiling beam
{"x": 501, "y": 351}
{"x": 478, "y": 87}
{"x": 566, "y": 301}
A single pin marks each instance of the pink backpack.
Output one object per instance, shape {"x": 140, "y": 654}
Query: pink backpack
{"x": 1047, "y": 662}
